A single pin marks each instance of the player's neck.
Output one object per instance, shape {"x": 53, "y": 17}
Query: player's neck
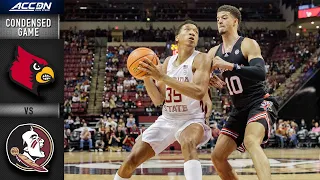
{"x": 183, "y": 54}
{"x": 229, "y": 39}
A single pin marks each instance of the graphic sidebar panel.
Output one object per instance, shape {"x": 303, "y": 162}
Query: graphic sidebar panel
{"x": 31, "y": 81}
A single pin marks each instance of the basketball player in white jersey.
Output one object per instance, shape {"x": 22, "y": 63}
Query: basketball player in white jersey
{"x": 181, "y": 82}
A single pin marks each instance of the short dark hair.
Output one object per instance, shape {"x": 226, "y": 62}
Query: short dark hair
{"x": 233, "y": 10}
{"x": 184, "y": 23}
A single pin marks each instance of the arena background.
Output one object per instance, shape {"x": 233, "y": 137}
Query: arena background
{"x": 100, "y": 34}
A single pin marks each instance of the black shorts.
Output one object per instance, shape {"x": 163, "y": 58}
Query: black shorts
{"x": 264, "y": 112}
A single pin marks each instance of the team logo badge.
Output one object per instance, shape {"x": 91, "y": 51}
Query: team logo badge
{"x": 266, "y": 105}
{"x": 30, "y": 71}
{"x": 185, "y": 69}
{"x": 236, "y": 52}
{"x": 30, "y": 147}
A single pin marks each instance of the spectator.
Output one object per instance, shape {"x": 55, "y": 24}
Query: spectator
{"x": 120, "y": 103}
{"x": 121, "y": 122}
{"x": 66, "y": 124}
{"x": 116, "y": 140}
{"x": 107, "y": 136}
{"x": 75, "y": 97}
{"x": 303, "y": 125}
{"x": 85, "y": 137}
{"x": 110, "y": 122}
{"x": 126, "y": 72}
{"x": 67, "y": 134}
{"x": 112, "y": 103}
{"x": 134, "y": 131}
{"x": 67, "y": 106}
{"x": 313, "y": 123}
{"x": 113, "y": 117}
{"x": 126, "y": 83}
{"x": 128, "y": 143}
{"x": 120, "y": 73}
{"x": 133, "y": 82}
{"x": 292, "y": 136}
{"x": 77, "y": 122}
{"x": 281, "y": 134}
{"x": 149, "y": 110}
{"x": 69, "y": 120}
{"x": 294, "y": 126}
{"x": 119, "y": 88}
{"x": 121, "y": 50}
{"x": 85, "y": 86}
{"x": 316, "y": 128}
{"x": 140, "y": 87}
{"x": 142, "y": 128}
{"x": 99, "y": 141}
{"x": 105, "y": 104}
{"x": 100, "y": 125}
{"x": 108, "y": 69}
{"x": 83, "y": 98}
{"x": 131, "y": 121}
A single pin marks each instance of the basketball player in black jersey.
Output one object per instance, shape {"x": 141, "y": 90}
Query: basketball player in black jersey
{"x": 243, "y": 71}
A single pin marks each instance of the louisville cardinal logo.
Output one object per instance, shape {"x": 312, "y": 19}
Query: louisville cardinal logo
{"x": 30, "y": 147}
{"x": 30, "y": 71}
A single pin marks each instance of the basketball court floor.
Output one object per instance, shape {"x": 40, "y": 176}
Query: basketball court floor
{"x": 286, "y": 164}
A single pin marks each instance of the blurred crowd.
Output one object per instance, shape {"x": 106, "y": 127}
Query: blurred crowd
{"x": 110, "y": 133}
{"x": 78, "y": 57}
{"x": 165, "y": 11}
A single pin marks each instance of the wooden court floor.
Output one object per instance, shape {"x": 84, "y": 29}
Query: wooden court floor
{"x": 286, "y": 164}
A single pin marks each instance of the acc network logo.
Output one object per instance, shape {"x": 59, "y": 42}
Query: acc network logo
{"x": 31, "y": 6}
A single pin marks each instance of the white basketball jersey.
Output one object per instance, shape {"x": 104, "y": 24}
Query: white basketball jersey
{"x": 179, "y": 106}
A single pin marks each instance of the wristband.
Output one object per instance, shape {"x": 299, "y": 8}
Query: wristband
{"x": 236, "y": 67}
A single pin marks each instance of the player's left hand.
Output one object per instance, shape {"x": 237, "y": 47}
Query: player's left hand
{"x": 154, "y": 71}
{"x": 219, "y": 63}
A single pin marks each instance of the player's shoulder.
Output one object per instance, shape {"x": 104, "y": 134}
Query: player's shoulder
{"x": 249, "y": 42}
{"x": 213, "y": 50}
{"x": 201, "y": 59}
{"x": 166, "y": 62}
{"x": 249, "y": 45}
{"x": 201, "y": 56}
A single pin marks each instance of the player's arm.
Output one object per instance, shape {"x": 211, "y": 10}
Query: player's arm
{"x": 256, "y": 71}
{"x": 199, "y": 85}
{"x": 215, "y": 81}
{"x": 208, "y": 106}
{"x": 156, "y": 92}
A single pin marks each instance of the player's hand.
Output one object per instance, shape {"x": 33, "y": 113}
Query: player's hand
{"x": 221, "y": 64}
{"x": 216, "y": 82}
{"x": 152, "y": 70}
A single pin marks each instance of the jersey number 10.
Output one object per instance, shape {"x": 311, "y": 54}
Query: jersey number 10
{"x": 232, "y": 89}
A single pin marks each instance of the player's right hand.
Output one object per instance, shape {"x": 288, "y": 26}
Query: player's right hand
{"x": 216, "y": 82}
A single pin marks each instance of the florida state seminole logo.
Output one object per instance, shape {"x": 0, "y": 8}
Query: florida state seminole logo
{"x": 30, "y": 147}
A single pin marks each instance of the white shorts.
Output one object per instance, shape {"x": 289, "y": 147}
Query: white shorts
{"x": 164, "y": 132}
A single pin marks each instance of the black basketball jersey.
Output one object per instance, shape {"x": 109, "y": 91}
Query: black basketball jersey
{"x": 243, "y": 91}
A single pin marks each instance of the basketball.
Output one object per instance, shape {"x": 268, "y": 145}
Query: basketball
{"x": 138, "y": 55}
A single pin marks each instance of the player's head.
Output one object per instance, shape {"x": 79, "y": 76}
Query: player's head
{"x": 228, "y": 19}
{"x": 188, "y": 33}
